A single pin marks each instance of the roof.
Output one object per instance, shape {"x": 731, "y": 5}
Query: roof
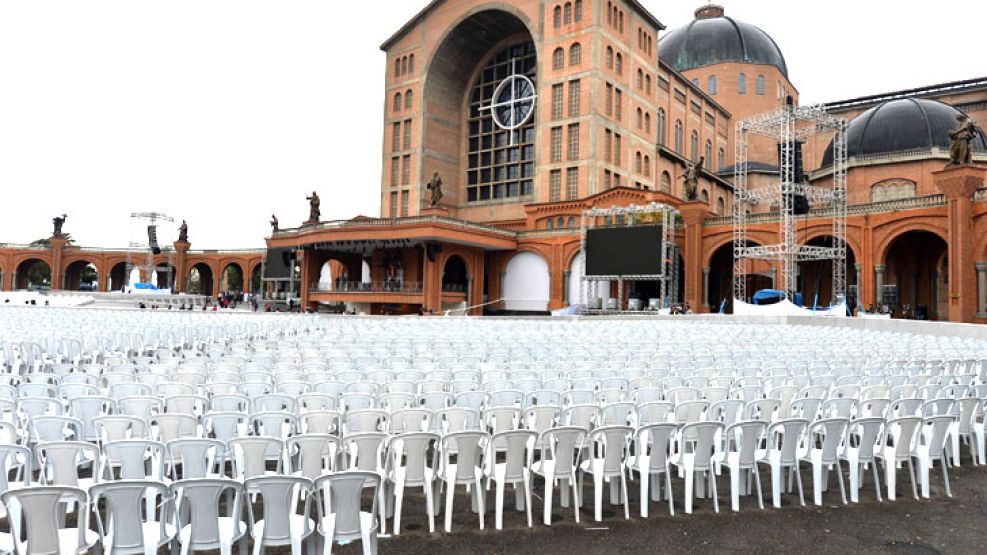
{"x": 634, "y": 4}
{"x": 662, "y": 64}
{"x": 929, "y": 91}
{"x": 714, "y": 38}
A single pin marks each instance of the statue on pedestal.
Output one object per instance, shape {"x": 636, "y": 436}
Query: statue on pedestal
{"x": 435, "y": 185}
{"x": 961, "y": 150}
{"x": 183, "y": 232}
{"x": 274, "y": 223}
{"x": 58, "y": 221}
{"x": 691, "y": 179}
{"x": 314, "y": 211}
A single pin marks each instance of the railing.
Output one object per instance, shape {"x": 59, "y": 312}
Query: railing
{"x": 453, "y": 288}
{"x": 358, "y": 287}
{"x": 913, "y": 203}
{"x": 390, "y": 222}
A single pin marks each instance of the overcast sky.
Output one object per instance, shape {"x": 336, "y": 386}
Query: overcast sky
{"x": 224, "y": 111}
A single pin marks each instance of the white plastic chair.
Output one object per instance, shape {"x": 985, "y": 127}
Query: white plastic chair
{"x": 649, "y": 457}
{"x": 61, "y": 462}
{"x": 826, "y": 439}
{"x": 741, "y": 442}
{"x": 560, "y": 451}
{"x": 312, "y": 455}
{"x": 197, "y": 458}
{"x": 519, "y": 450}
{"x": 287, "y": 512}
{"x": 860, "y": 449}
{"x": 607, "y": 448}
{"x": 201, "y": 525}
{"x": 895, "y": 447}
{"x": 341, "y": 514}
{"x": 250, "y": 455}
{"x": 45, "y": 529}
{"x": 407, "y": 464}
{"x": 783, "y": 444}
{"x": 931, "y": 447}
{"x": 468, "y": 448}
{"x": 695, "y": 454}
{"x": 125, "y": 529}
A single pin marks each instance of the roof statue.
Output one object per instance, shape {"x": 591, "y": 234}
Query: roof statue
{"x": 961, "y": 149}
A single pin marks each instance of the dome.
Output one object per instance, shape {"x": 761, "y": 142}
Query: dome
{"x": 905, "y": 124}
{"x": 713, "y": 38}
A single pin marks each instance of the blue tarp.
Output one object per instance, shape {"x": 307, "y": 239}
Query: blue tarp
{"x": 146, "y": 286}
{"x": 771, "y": 296}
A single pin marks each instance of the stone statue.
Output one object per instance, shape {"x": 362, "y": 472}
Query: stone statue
{"x": 183, "y": 232}
{"x": 314, "y": 212}
{"x": 274, "y": 223}
{"x": 691, "y": 179}
{"x": 961, "y": 151}
{"x": 58, "y": 221}
{"x": 435, "y": 185}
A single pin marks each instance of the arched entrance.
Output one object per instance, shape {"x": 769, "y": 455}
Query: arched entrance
{"x": 915, "y": 277}
{"x": 165, "y": 276}
{"x": 118, "y": 277}
{"x": 32, "y": 273}
{"x": 334, "y": 276}
{"x": 255, "y": 279}
{"x": 200, "y": 279}
{"x": 719, "y": 291}
{"x": 527, "y": 283}
{"x": 815, "y": 277}
{"x": 454, "y": 275}
{"x": 232, "y": 278}
{"x": 81, "y": 275}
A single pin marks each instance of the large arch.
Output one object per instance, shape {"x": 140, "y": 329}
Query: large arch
{"x": 166, "y": 276}
{"x": 81, "y": 275}
{"x": 231, "y": 277}
{"x": 815, "y": 277}
{"x": 916, "y": 275}
{"x": 449, "y": 75}
{"x": 455, "y": 276}
{"x": 118, "y": 277}
{"x": 527, "y": 282}
{"x": 32, "y": 273}
{"x": 200, "y": 279}
{"x": 719, "y": 283}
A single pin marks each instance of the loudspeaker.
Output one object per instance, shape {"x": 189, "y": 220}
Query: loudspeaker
{"x": 288, "y": 257}
{"x": 152, "y": 239}
{"x": 431, "y": 250}
{"x": 800, "y": 205}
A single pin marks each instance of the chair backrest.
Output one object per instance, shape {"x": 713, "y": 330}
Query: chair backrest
{"x": 965, "y": 411}
{"x": 410, "y": 451}
{"x": 137, "y": 459}
{"x": 281, "y": 496}
{"x": 785, "y": 436}
{"x": 653, "y": 412}
{"x": 831, "y": 433}
{"x": 702, "y": 436}
{"x": 617, "y": 414}
{"x": 746, "y": 438}
{"x": 564, "y": 445}
{"x": 366, "y": 451}
{"x": 43, "y": 514}
{"x": 224, "y": 426}
{"x": 250, "y": 455}
{"x": 584, "y": 416}
{"x": 610, "y": 444}
{"x": 366, "y": 420}
{"x": 54, "y": 428}
{"x": 166, "y": 427}
{"x": 866, "y": 431}
{"x": 60, "y": 461}
{"x": 762, "y": 409}
{"x": 458, "y": 419}
{"x": 198, "y": 506}
{"x": 123, "y": 505}
{"x": 806, "y": 407}
{"x": 519, "y": 449}
{"x": 839, "y": 407}
{"x": 542, "y": 417}
{"x": 15, "y": 457}
{"x": 341, "y": 494}
{"x": 655, "y": 440}
{"x": 939, "y": 433}
{"x": 501, "y": 419}
{"x": 468, "y": 447}
{"x": 312, "y": 455}
{"x": 197, "y": 457}
{"x": 937, "y": 407}
{"x": 902, "y": 434}
{"x": 410, "y": 420}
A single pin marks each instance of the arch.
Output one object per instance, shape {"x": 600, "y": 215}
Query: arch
{"x": 81, "y": 275}
{"x": 397, "y": 102}
{"x": 915, "y": 275}
{"x": 575, "y": 278}
{"x": 455, "y": 276}
{"x": 609, "y": 58}
{"x": 647, "y": 122}
{"x": 411, "y": 64}
{"x": 558, "y": 58}
{"x": 567, "y": 13}
{"x": 892, "y": 232}
{"x": 640, "y": 77}
{"x": 647, "y": 166}
{"x": 117, "y": 276}
{"x": 256, "y": 278}
{"x": 720, "y": 206}
{"x": 575, "y": 54}
{"x": 618, "y": 64}
{"x": 713, "y": 85}
{"x": 200, "y": 279}
{"x": 639, "y": 120}
{"x": 32, "y": 273}
{"x": 578, "y": 9}
{"x": 397, "y": 67}
{"x": 408, "y": 99}
{"x": 333, "y": 276}
{"x": 694, "y": 146}
{"x": 662, "y": 127}
{"x": 557, "y": 17}
{"x": 704, "y": 195}
{"x": 709, "y": 152}
{"x": 742, "y": 84}
{"x": 647, "y": 83}
{"x": 231, "y": 277}
{"x": 666, "y": 182}
{"x": 527, "y": 282}
{"x": 679, "y": 136}
{"x": 759, "y": 85}
{"x": 815, "y": 276}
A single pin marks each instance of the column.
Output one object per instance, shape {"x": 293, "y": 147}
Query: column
{"x": 57, "y": 275}
{"x": 958, "y": 184}
{"x": 774, "y": 276}
{"x": 859, "y": 296}
{"x": 981, "y": 289}
{"x": 693, "y": 214}
{"x": 565, "y": 287}
{"x": 706, "y": 287}
{"x": 181, "y": 271}
{"x": 879, "y": 285}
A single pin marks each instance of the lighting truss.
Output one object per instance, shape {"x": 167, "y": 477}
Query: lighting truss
{"x": 788, "y": 125}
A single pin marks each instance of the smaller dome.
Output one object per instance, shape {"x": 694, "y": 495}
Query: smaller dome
{"x": 898, "y": 125}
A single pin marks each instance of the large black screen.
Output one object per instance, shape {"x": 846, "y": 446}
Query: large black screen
{"x": 623, "y": 251}
{"x": 279, "y": 264}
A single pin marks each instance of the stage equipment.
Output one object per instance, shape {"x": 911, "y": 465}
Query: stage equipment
{"x": 144, "y": 247}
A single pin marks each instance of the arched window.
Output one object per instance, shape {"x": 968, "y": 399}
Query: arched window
{"x": 709, "y": 152}
{"x": 662, "y": 127}
{"x": 620, "y": 64}
{"x": 742, "y": 84}
{"x": 411, "y": 63}
{"x": 720, "y": 206}
{"x": 640, "y": 79}
{"x": 571, "y": 223}
{"x": 558, "y": 58}
{"x": 550, "y": 224}
{"x": 647, "y": 166}
{"x": 721, "y": 159}
{"x": 408, "y": 99}
{"x": 647, "y": 122}
{"x": 557, "y": 17}
{"x": 579, "y": 10}
{"x": 567, "y": 14}
{"x": 397, "y": 67}
{"x": 666, "y": 182}
{"x": 694, "y": 146}
{"x": 705, "y": 197}
{"x": 609, "y": 59}
{"x": 639, "y": 120}
{"x": 620, "y": 25}
{"x": 695, "y": 83}
{"x": 760, "y": 85}
{"x": 647, "y": 85}
{"x": 610, "y": 13}
{"x": 397, "y": 102}
{"x": 637, "y": 162}
{"x": 575, "y": 54}
{"x": 712, "y": 85}
{"x": 679, "y": 137}
{"x": 404, "y": 65}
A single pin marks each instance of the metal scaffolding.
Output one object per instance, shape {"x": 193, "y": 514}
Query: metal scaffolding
{"x": 789, "y": 125}
{"x": 667, "y": 276}
{"x": 140, "y": 255}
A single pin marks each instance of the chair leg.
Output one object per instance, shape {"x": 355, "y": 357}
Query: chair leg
{"x": 776, "y": 479}
{"x": 839, "y": 476}
{"x": 527, "y": 496}
{"x": 499, "y": 506}
{"x": 817, "y": 483}
{"x": 877, "y": 480}
{"x": 668, "y": 492}
{"x": 854, "y": 469}
{"x": 712, "y": 490}
{"x": 689, "y": 477}
{"x": 734, "y": 488}
{"x": 911, "y": 471}
{"x": 597, "y": 497}
{"x": 644, "y": 493}
{"x": 450, "y": 490}
{"x": 481, "y": 500}
{"x": 430, "y": 506}
{"x": 945, "y": 477}
{"x": 627, "y": 498}
{"x": 398, "y": 501}
{"x": 798, "y": 480}
{"x": 576, "y": 502}
{"x": 757, "y": 481}
{"x": 549, "y": 488}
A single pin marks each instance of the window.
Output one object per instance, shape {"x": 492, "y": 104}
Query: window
{"x": 695, "y": 83}
{"x": 579, "y": 10}
{"x": 567, "y": 13}
{"x": 497, "y": 167}
{"x": 640, "y": 79}
{"x": 639, "y": 120}
{"x": 557, "y": 101}
{"x": 720, "y": 206}
{"x": 712, "y": 85}
{"x": 666, "y": 182}
{"x": 555, "y": 186}
{"x": 721, "y": 159}
{"x": 742, "y": 84}
{"x": 678, "y": 137}
{"x": 607, "y": 178}
{"x": 647, "y": 85}
{"x": 558, "y": 58}
{"x": 619, "y": 66}
{"x": 407, "y": 134}
{"x": 571, "y": 223}
{"x": 404, "y": 204}
{"x": 608, "y": 146}
{"x": 705, "y": 197}
{"x": 549, "y": 224}
{"x": 395, "y": 171}
{"x": 647, "y": 166}
{"x": 608, "y": 100}
{"x": 397, "y": 102}
{"x": 571, "y": 186}
{"x": 405, "y": 170}
{"x": 557, "y": 17}
{"x": 575, "y": 54}
{"x": 618, "y": 103}
{"x": 574, "y": 141}
{"x": 638, "y": 162}
{"x": 609, "y": 58}
{"x": 411, "y": 64}
{"x": 407, "y": 100}
{"x": 760, "y": 85}
{"x": 694, "y": 147}
{"x": 647, "y": 122}
{"x": 610, "y": 13}
{"x": 620, "y": 25}
{"x": 394, "y": 205}
{"x": 404, "y": 65}
{"x": 396, "y": 136}
{"x": 575, "y": 97}
{"x": 709, "y": 152}
{"x": 397, "y": 67}
{"x": 556, "y": 144}
{"x": 662, "y": 127}
{"x": 616, "y": 149}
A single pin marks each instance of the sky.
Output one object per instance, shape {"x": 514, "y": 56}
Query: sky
{"x": 222, "y": 112}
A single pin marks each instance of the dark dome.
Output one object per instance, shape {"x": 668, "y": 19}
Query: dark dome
{"x": 713, "y": 38}
{"x": 906, "y": 124}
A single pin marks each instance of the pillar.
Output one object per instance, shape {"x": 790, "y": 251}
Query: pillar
{"x": 57, "y": 275}
{"x": 981, "y": 289}
{"x": 693, "y": 214}
{"x": 706, "y": 288}
{"x": 958, "y": 184}
{"x": 181, "y": 269}
{"x": 879, "y": 285}
{"x": 858, "y": 298}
